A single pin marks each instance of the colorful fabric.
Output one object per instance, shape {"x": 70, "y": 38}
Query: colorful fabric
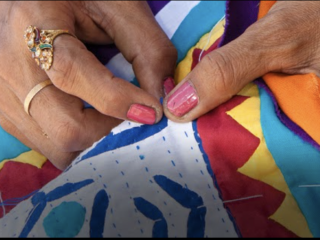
{"x": 238, "y": 171}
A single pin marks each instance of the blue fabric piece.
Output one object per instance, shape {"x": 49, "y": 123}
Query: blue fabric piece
{"x": 148, "y": 209}
{"x": 66, "y": 189}
{"x": 196, "y": 222}
{"x": 10, "y": 147}
{"x": 126, "y": 137}
{"x": 34, "y": 217}
{"x": 183, "y": 196}
{"x": 65, "y": 220}
{"x": 160, "y": 227}
{"x": 298, "y": 161}
{"x": 208, "y": 13}
{"x": 98, "y": 216}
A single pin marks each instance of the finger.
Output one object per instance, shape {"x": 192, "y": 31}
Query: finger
{"x": 220, "y": 75}
{"x": 69, "y": 125}
{"x": 78, "y": 72}
{"x": 62, "y": 116}
{"x": 141, "y": 40}
{"x": 19, "y": 123}
{"x": 85, "y": 28}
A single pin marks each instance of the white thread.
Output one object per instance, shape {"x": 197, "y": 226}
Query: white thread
{"x": 203, "y": 49}
{"x": 309, "y": 186}
{"x": 241, "y": 199}
{"x": 2, "y": 204}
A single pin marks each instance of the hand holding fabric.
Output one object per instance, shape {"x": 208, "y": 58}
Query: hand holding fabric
{"x": 59, "y": 126}
{"x": 286, "y": 40}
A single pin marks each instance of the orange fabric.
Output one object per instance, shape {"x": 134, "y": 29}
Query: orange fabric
{"x": 264, "y": 8}
{"x": 297, "y": 95}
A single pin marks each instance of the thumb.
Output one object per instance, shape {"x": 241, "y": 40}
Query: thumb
{"x": 220, "y": 75}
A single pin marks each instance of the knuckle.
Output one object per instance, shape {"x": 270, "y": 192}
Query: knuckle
{"x": 67, "y": 136}
{"x": 162, "y": 48}
{"x": 220, "y": 68}
{"x": 64, "y": 69}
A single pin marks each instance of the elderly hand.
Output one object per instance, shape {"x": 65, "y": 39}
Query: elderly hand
{"x": 286, "y": 40}
{"x": 59, "y": 126}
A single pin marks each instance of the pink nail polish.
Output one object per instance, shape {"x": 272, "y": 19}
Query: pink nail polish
{"x": 183, "y": 100}
{"x": 168, "y": 85}
{"x": 142, "y": 114}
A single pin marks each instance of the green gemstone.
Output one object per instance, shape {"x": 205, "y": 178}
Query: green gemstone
{"x": 43, "y": 46}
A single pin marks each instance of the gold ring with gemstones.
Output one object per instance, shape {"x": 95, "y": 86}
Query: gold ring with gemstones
{"x": 40, "y": 43}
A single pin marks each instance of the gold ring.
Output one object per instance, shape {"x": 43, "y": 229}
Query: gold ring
{"x": 33, "y": 92}
{"x": 40, "y": 43}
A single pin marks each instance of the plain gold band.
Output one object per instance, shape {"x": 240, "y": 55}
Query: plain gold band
{"x": 33, "y": 92}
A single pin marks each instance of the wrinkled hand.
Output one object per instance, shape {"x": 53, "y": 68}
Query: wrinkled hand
{"x": 58, "y": 110}
{"x": 286, "y": 40}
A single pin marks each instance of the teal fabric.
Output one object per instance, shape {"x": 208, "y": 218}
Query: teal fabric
{"x": 298, "y": 161}
{"x": 65, "y": 221}
{"x": 189, "y": 31}
{"x": 10, "y": 147}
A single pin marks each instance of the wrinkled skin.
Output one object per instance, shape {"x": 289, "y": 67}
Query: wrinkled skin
{"x": 286, "y": 40}
{"x": 77, "y": 75}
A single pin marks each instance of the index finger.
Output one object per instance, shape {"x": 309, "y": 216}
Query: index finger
{"x": 78, "y": 72}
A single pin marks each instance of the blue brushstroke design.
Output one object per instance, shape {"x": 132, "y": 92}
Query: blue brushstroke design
{"x": 66, "y": 189}
{"x": 34, "y": 217}
{"x": 147, "y": 209}
{"x": 160, "y": 227}
{"x": 196, "y": 223}
{"x": 99, "y": 211}
{"x": 40, "y": 200}
{"x": 183, "y": 196}
{"x": 125, "y": 138}
{"x": 188, "y": 199}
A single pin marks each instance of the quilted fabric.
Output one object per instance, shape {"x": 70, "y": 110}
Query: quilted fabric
{"x": 237, "y": 171}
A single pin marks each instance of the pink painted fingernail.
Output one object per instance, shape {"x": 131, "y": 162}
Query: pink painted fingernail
{"x": 183, "y": 100}
{"x": 142, "y": 114}
{"x": 168, "y": 85}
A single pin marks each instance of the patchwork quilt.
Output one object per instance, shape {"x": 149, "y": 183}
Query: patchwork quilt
{"x": 249, "y": 168}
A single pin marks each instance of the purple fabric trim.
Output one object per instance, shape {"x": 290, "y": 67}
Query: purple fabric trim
{"x": 239, "y": 16}
{"x": 156, "y": 6}
{"x": 285, "y": 119}
{"x": 105, "y": 52}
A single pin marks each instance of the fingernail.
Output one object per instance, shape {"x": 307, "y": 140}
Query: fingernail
{"x": 183, "y": 100}
{"x": 168, "y": 85}
{"x": 142, "y": 114}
